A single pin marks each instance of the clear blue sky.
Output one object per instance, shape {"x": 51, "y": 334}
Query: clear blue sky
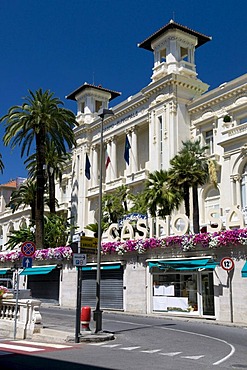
{"x": 60, "y": 44}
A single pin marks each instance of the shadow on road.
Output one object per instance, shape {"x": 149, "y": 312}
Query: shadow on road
{"x": 20, "y": 362}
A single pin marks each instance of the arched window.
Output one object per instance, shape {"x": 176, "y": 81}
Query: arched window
{"x": 212, "y": 201}
{"x": 244, "y": 187}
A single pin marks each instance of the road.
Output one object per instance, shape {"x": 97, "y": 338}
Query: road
{"x": 143, "y": 343}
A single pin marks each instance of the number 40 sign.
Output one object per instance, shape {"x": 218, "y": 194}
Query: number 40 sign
{"x": 227, "y": 263}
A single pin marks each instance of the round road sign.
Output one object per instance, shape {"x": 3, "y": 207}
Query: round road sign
{"x": 28, "y": 249}
{"x": 227, "y": 263}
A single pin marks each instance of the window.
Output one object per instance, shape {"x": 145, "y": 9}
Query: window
{"x": 162, "y": 55}
{"x": 82, "y": 107}
{"x": 160, "y": 121}
{"x": 209, "y": 141}
{"x": 184, "y": 53}
{"x": 98, "y": 105}
{"x": 242, "y": 121}
{"x": 244, "y": 187}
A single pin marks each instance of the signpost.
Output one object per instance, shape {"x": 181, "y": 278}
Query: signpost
{"x": 27, "y": 262}
{"x": 28, "y": 249}
{"x": 227, "y": 264}
{"x": 79, "y": 259}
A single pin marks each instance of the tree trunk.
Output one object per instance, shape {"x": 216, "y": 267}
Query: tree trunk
{"x": 196, "y": 225}
{"x": 52, "y": 197}
{"x": 187, "y": 200}
{"x": 39, "y": 212}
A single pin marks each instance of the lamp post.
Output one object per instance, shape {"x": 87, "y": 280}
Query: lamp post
{"x": 98, "y": 311}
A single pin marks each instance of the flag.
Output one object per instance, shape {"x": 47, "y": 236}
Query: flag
{"x": 126, "y": 150}
{"x": 87, "y": 168}
{"x": 107, "y": 161}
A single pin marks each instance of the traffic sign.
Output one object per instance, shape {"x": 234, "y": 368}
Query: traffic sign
{"x": 79, "y": 259}
{"x": 28, "y": 249}
{"x": 88, "y": 244}
{"x": 27, "y": 262}
{"x": 227, "y": 263}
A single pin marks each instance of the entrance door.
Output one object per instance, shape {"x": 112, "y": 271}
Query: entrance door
{"x": 207, "y": 293}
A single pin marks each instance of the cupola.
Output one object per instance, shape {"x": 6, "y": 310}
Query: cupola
{"x": 173, "y": 47}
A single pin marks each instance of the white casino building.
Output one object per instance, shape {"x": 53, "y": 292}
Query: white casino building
{"x": 174, "y": 107}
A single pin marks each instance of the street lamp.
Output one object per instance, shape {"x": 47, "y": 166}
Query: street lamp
{"x": 98, "y": 311}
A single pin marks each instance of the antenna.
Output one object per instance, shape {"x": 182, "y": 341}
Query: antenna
{"x": 173, "y": 16}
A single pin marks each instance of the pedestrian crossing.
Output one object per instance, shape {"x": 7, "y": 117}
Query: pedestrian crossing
{"x": 158, "y": 351}
{"x": 28, "y": 347}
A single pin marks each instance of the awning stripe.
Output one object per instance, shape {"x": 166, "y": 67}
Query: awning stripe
{"x": 244, "y": 270}
{"x": 185, "y": 264}
{"x": 3, "y": 271}
{"x": 38, "y": 270}
{"x": 102, "y": 267}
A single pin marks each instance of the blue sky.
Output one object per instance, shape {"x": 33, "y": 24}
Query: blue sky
{"x": 60, "y": 44}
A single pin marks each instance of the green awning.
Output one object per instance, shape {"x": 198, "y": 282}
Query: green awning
{"x": 102, "y": 267}
{"x": 185, "y": 264}
{"x": 244, "y": 270}
{"x": 3, "y": 271}
{"x": 38, "y": 270}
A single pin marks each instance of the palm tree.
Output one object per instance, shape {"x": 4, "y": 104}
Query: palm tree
{"x": 55, "y": 165}
{"x": 160, "y": 196}
{"x": 189, "y": 169}
{"x": 39, "y": 121}
{"x": 1, "y": 164}
{"x": 24, "y": 196}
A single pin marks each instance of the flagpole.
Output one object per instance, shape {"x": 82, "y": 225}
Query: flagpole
{"x": 98, "y": 311}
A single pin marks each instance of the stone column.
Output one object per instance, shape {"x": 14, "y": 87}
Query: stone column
{"x": 113, "y": 158}
{"x": 95, "y": 165}
{"x": 134, "y": 151}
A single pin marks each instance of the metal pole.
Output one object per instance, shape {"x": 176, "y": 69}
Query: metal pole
{"x": 16, "y": 302}
{"x": 230, "y": 294}
{"x": 98, "y": 311}
{"x": 78, "y": 301}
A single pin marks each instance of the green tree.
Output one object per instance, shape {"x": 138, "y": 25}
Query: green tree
{"x": 38, "y": 121}
{"x": 55, "y": 165}
{"x": 56, "y": 233}
{"x": 190, "y": 169}
{"x": 24, "y": 196}
{"x": 161, "y": 198}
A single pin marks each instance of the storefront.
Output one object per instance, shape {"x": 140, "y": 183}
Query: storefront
{"x": 183, "y": 285}
{"x": 111, "y": 289}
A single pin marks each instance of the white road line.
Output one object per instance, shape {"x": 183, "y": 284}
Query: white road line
{"x": 130, "y": 348}
{"x": 111, "y": 345}
{"x": 52, "y": 345}
{"x": 20, "y": 348}
{"x": 170, "y": 354}
{"x": 193, "y": 357}
{"x": 152, "y": 351}
{"x": 96, "y": 344}
{"x": 209, "y": 337}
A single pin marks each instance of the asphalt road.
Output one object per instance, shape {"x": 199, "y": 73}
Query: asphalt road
{"x": 141, "y": 343}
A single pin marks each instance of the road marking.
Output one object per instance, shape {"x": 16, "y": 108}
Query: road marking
{"x": 193, "y": 357}
{"x": 53, "y": 345}
{"x": 111, "y": 345}
{"x": 20, "y": 348}
{"x": 170, "y": 354}
{"x": 152, "y": 351}
{"x": 130, "y": 348}
{"x": 96, "y": 344}
{"x": 209, "y": 337}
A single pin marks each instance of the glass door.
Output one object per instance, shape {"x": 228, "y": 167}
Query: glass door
{"x": 207, "y": 293}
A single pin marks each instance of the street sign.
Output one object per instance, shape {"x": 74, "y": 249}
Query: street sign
{"x": 88, "y": 244}
{"x": 227, "y": 263}
{"x": 28, "y": 249}
{"x": 27, "y": 262}
{"x": 79, "y": 259}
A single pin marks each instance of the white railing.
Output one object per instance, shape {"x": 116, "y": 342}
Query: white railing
{"x": 23, "y": 323}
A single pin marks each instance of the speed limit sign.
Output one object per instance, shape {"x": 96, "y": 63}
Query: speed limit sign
{"x": 227, "y": 263}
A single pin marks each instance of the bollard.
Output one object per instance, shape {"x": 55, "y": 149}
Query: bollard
{"x": 85, "y": 318}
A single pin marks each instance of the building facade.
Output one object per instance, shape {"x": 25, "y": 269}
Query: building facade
{"x": 175, "y": 276}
